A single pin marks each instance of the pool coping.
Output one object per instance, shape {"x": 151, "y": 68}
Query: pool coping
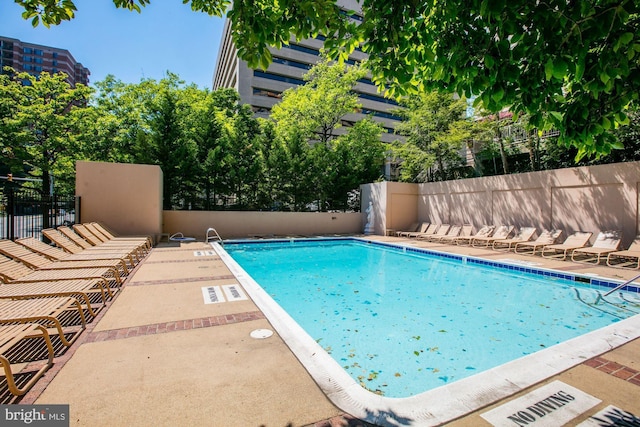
{"x": 451, "y": 401}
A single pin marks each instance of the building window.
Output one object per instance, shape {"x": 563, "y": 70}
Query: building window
{"x": 267, "y": 93}
{"x": 55, "y": 63}
{"x": 377, "y": 98}
{"x": 37, "y": 60}
{"x": 380, "y": 114}
{"x": 27, "y": 58}
{"x": 291, "y": 63}
{"x": 37, "y": 52}
{"x": 27, "y": 50}
{"x": 54, "y": 70}
{"x": 55, "y": 54}
{"x": 37, "y": 68}
{"x": 27, "y": 67}
{"x": 257, "y": 73}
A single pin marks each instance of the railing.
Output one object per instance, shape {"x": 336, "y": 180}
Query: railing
{"x": 26, "y": 212}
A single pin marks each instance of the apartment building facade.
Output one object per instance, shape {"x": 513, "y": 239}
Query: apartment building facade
{"x": 262, "y": 89}
{"x": 35, "y": 58}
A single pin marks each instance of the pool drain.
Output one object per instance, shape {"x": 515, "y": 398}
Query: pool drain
{"x": 261, "y": 334}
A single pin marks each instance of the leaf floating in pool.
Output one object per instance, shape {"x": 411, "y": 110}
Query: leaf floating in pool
{"x": 356, "y": 291}
{"x": 444, "y": 378}
{"x": 417, "y": 353}
{"x": 432, "y": 349}
{"x": 416, "y": 337}
{"x": 397, "y": 374}
{"x": 328, "y": 349}
{"x": 442, "y": 330}
{"x": 470, "y": 368}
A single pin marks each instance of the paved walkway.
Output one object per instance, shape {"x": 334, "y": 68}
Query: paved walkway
{"x": 160, "y": 356}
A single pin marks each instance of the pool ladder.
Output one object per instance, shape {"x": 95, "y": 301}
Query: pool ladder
{"x": 212, "y": 234}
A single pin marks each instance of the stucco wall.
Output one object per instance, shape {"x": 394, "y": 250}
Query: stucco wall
{"x": 125, "y": 197}
{"x": 593, "y": 198}
{"x": 246, "y": 224}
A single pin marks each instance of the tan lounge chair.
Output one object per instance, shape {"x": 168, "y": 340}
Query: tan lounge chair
{"x": 547, "y": 237}
{"x": 485, "y": 231}
{"x": 421, "y": 229}
{"x": 12, "y": 271}
{"x": 523, "y": 235}
{"x": 85, "y": 244}
{"x": 71, "y": 247}
{"x": 465, "y": 231}
{"x": 453, "y": 232}
{"x": 606, "y": 242}
{"x": 104, "y": 231}
{"x": 412, "y": 229}
{"x": 628, "y": 258}
{"x": 577, "y": 240}
{"x": 429, "y": 231}
{"x": 442, "y": 231}
{"x": 39, "y": 262}
{"x": 56, "y": 254}
{"x": 502, "y": 232}
{"x": 48, "y": 312}
{"x": 90, "y": 234}
{"x": 91, "y": 294}
{"x": 12, "y": 336}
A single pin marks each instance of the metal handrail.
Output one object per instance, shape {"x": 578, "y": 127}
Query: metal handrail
{"x": 216, "y": 236}
{"x": 622, "y": 285}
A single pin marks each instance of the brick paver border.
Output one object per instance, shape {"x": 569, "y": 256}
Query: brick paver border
{"x": 616, "y": 369}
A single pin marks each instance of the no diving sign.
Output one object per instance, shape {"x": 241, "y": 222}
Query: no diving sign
{"x": 549, "y": 406}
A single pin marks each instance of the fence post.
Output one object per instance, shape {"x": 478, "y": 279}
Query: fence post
{"x": 78, "y": 212}
{"x": 10, "y": 214}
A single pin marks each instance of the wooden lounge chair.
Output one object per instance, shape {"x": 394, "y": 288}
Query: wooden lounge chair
{"x": 48, "y": 312}
{"x": 11, "y": 336}
{"x": 605, "y": 243}
{"x": 502, "y": 232}
{"x": 465, "y": 231}
{"x": 103, "y": 230}
{"x": 452, "y": 232}
{"x": 12, "y": 271}
{"x": 485, "y": 231}
{"x": 420, "y": 229}
{"x": 577, "y": 240}
{"x": 91, "y": 294}
{"x": 84, "y": 244}
{"x": 547, "y": 237}
{"x": 627, "y": 258}
{"x": 414, "y": 227}
{"x": 430, "y": 230}
{"x": 86, "y": 233}
{"x": 523, "y": 235}
{"x": 39, "y": 262}
{"x": 441, "y": 232}
{"x": 56, "y": 254}
{"x": 71, "y": 247}
{"x": 105, "y": 235}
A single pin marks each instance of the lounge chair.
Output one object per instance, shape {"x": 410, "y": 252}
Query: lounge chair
{"x": 575, "y": 241}
{"x": 12, "y": 336}
{"x": 605, "y": 243}
{"x": 441, "y": 232}
{"x": 430, "y": 230}
{"x": 48, "y": 312}
{"x": 89, "y": 233}
{"x": 85, "y": 244}
{"x": 547, "y": 237}
{"x": 90, "y": 293}
{"x": 451, "y": 233}
{"x": 56, "y": 254}
{"x": 37, "y": 261}
{"x": 465, "y": 231}
{"x": 71, "y": 247}
{"x": 420, "y": 229}
{"x": 626, "y": 258}
{"x": 12, "y": 271}
{"x": 523, "y": 235}
{"x": 414, "y": 227}
{"x": 104, "y": 231}
{"x": 502, "y": 232}
{"x": 485, "y": 231}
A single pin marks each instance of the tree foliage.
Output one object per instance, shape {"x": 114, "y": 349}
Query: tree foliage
{"x": 43, "y": 122}
{"x": 572, "y": 66}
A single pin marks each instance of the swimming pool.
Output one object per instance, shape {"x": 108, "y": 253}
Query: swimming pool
{"x": 423, "y": 319}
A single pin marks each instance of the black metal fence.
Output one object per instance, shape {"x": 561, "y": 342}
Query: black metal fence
{"x": 26, "y": 212}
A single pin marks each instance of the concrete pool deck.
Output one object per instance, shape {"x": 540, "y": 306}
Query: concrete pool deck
{"x": 159, "y": 355}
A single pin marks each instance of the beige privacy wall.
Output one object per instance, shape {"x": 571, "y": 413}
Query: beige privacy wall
{"x": 593, "y": 198}
{"x": 125, "y": 197}
{"x": 235, "y": 224}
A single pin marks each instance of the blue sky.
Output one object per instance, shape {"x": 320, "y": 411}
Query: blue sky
{"x": 167, "y": 35}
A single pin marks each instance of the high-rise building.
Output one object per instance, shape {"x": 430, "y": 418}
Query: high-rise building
{"x": 35, "y": 58}
{"x": 262, "y": 89}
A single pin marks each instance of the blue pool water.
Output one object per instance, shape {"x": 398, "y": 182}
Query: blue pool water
{"x": 402, "y": 323}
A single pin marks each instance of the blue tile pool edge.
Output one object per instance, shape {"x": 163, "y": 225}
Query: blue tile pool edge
{"x": 445, "y": 403}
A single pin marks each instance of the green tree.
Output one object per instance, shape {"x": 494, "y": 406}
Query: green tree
{"x": 572, "y": 66}
{"x": 43, "y": 123}
{"x": 436, "y": 131}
